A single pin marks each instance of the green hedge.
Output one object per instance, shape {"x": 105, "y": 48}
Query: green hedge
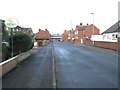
{"x": 5, "y": 52}
{"x": 21, "y": 43}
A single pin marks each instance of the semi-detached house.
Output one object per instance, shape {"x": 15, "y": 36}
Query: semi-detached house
{"x": 81, "y": 33}
{"x": 84, "y": 32}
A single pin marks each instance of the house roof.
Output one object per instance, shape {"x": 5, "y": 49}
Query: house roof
{"x": 83, "y": 27}
{"x": 42, "y": 34}
{"x": 80, "y": 27}
{"x": 112, "y": 29}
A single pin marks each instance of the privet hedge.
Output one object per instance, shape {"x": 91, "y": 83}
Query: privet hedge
{"x": 21, "y": 43}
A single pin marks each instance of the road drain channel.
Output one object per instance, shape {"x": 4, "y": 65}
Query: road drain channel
{"x": 54, "y": 82}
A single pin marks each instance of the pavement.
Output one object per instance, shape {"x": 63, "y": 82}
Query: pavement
{"x": 76, "y": 66}
{"x": 33, "y": 72}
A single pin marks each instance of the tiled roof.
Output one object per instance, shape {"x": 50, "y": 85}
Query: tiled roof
{"x": 42, "y": 35}
{"x": 81, "y": 27}
{"x": 113, "y": 28}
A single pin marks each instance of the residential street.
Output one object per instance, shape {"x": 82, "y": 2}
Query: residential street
{"x": 77, "y": 66}
{"x": 80, "y": 67}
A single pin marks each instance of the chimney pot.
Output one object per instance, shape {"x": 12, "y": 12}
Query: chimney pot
{"x": 39, "y": 30}
{"x": 81, "y": 24}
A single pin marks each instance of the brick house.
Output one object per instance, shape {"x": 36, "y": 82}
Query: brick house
{"x": 24, "y": 30}
{"x": 42, "y": 37}
{"x": 68, "y": 36}
{"x": 71, "y": 36}
{"x": 84, "y": 32}
{"x": 65, "y": 35}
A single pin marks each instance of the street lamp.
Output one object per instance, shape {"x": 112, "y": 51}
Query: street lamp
{"x": 93, "y": 27}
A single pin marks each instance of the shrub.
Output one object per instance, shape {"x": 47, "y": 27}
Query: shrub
{"x": 21, "y": 43}
{"x": 5, "y": 52}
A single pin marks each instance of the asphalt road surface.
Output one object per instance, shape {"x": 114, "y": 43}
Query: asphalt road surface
{"x": 80, "y": 67}
{"x": 77, "y": 66}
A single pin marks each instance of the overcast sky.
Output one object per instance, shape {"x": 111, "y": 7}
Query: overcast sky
{"x": 56, "y": 15}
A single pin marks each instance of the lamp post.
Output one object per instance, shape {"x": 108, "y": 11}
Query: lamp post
{"x": 93, "y": 27}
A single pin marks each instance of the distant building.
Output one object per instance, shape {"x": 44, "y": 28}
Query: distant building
{"x": 56, "y": 37}
{"x": 80, "y": 34}
{"x": 42, "y": 37}
{"x": 65, "y": 35}
{"x": 24, "y": 30}
{"x": 85, "y": 32}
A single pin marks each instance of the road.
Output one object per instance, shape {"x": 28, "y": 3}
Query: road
{"x": 76, "y": 67}
{"x": 80, "y": 67}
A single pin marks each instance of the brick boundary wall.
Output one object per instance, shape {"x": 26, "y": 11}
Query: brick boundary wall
{"x": 109, "y": 45}
{"x": 88, "y": 42}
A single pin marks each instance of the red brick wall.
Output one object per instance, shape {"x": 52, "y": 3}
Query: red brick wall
{"x": 80, "y": 34}
{"x": 71, "y": 36}
{"x": 89, "y": 31}
{"x": 109, "y": 45}
{"x": 88, "y": 42}
{"x": 65, "y": 35}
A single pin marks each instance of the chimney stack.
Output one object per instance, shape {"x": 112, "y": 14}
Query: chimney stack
{"x": 39, "y": 30}
{"x": 65, "y": 30}
{"x": 80, "y": 24}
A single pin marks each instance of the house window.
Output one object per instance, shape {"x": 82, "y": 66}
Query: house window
{"x": 114, "y": 36}
{"x": 104, "y": 36}
{"x": 68, "y": 34}
{"x": 76, "y": 37}
{"x": 76, "y": 33}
